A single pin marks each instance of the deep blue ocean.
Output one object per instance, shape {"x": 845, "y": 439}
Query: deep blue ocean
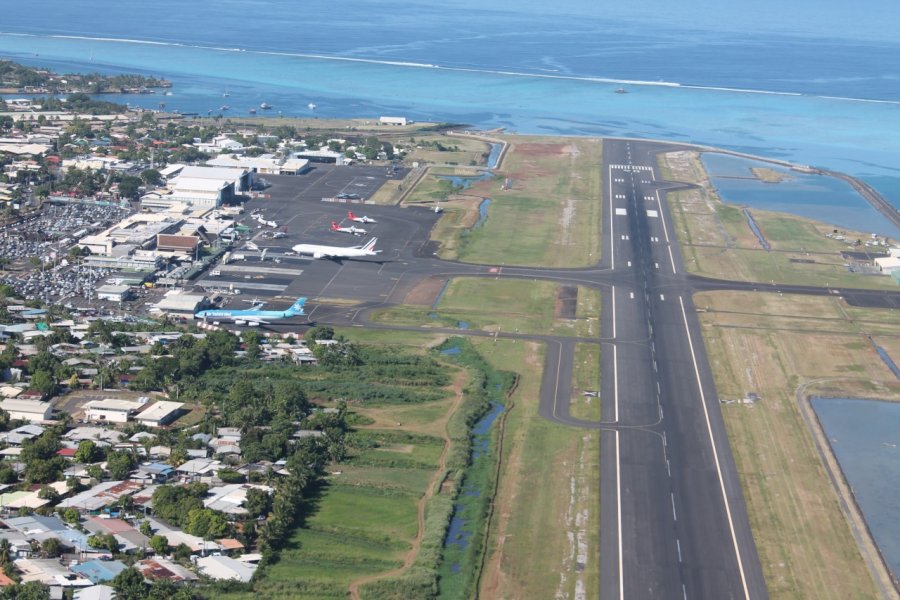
{"x": 809, "y": 83}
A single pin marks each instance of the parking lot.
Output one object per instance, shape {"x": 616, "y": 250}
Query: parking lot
{"x": 30, "y": 243}
{"x": 295, "y": 204}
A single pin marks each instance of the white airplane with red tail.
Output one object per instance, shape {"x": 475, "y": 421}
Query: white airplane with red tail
{"x": 353, "y": 217}
{"x": 352, "y": 229}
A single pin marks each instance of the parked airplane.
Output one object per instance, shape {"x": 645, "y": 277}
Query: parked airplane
{"x": 353, "y": 217}
{"x": 337, "y": 252}
{"x": 262, "y": 221}
{"x": 352, "y": 229}
{"x": 252, "y": 317}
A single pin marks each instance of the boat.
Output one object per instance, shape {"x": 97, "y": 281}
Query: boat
{"x": 312, "y": 106}
{"x": 224, "y": 107}
{"x": 252, "y": 111}
{"x": 225, "y": 94}
{"x": 265, "y": 106}
{"x": 621, "y": 91}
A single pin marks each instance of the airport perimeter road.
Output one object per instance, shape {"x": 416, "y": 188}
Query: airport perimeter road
{"x": 674, "y": 523}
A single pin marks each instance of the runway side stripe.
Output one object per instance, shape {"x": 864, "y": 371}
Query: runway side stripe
{"x": 619, "y": 504}
{"x": 712, "y": 442}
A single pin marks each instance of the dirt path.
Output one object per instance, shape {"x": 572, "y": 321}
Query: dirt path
{"x": 410, "y": 558}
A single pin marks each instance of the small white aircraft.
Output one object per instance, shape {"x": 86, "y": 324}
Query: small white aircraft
{"x": 262, "y": 221}
{"x": 353, "y": 217}
{"x": 352, "y": 229}
{"x": 337, "y": 252}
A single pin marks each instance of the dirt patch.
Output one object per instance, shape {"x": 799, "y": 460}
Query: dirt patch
{"x": 401, "y": 448}
{"x": 426, "y": 292}
{"x": 567, "y": 302}
{"x": 542, "y": 149}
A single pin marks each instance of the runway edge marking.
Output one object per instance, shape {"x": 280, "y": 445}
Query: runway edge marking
{"x": 712, "y": 442}
{"x": 619, "y": 517}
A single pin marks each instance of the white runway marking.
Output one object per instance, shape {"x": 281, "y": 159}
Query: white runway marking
{"x": 712, "y": 442}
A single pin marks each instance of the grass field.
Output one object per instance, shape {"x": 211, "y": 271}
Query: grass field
{"x": 585, "y": 376}
{"x": 358, "y": 528}
{"x": 552, "y": 194}
{"x": 364, "y": 522}
{"x": 547, "y": 506}
{"x": 772, "y": 345}
{"x": 717, "y": 241}
{"x": 463, "y": 151}
{"x": 508, "y": 305}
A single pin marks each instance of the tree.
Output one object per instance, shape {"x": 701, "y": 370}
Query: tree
{"x": 71, "y": 516}
{"x": 206, "y": 523}
{"x": 5, "y": 551}
{"x": 33, "y": 590}
{"x": 119, "y": 464}
{"x": 159, "y": 544}
{"x": 129, "y": 585}
{"x": 151, "y": 177}
{"x": 251, "y": 340}
{"x": 145, "y": 528}
{"x": 128, "y": 187}
{"x": 43, "y": 382}
{"x": 104, "y": 541}
{"x": 182, "y": 552}
{"x": 88, "y": 452}
{"x": 51, "y": 548}
{"x": 320, "y": 332}
{"x": 48, "y": 493}
{"x": 95, "y": 472}
{"x": 258, "y": 502}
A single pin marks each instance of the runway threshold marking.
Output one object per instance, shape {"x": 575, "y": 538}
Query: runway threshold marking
{"x": 712, "y": 442}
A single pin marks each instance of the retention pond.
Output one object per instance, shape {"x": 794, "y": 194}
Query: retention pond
{"x": 865, "y": 437}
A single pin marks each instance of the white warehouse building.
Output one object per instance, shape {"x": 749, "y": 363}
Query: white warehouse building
{"x": 111, "y": 410}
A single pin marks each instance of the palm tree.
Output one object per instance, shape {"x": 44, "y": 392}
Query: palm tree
{"x": 5, "y": 552}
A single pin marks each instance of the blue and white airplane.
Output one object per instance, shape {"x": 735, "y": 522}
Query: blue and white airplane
{"x": 252, "y": 317}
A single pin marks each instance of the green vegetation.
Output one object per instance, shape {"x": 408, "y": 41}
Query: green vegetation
{"x": 539, "y": 519}
{"x": 360, "y": 522}
{"x": 545, "y": 209}
{"x": 585, "y": 377}
{"x": 16, "y": 76}
{"x": 507, "y": 305}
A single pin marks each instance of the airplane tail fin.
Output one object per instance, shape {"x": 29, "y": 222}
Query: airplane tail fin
{"x": 297, "y": 307}
{"x": 350, "y": 215}
{"x": 334, "y": 226}
{"x": 370, "y": 245}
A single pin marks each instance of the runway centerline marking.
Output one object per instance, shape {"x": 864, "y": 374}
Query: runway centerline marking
{"x": 712, "y": 442}
{"x": 612, "y": 237}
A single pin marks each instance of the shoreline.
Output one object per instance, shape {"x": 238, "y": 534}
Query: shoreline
{"x": 868, "y": 193}
{"x": 882, "y": 575}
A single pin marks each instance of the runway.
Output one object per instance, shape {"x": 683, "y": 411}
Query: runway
{"x": 673, "y": 520}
